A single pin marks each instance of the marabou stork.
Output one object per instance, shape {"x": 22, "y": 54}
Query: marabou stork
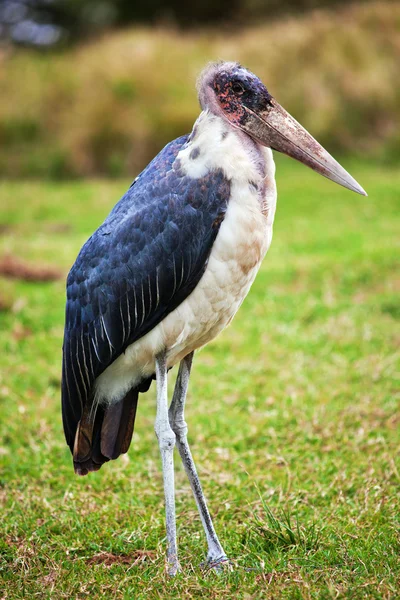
{"x": 167, "y": 271}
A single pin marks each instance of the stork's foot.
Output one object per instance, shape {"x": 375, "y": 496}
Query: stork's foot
{"x": 219, "y": 564}
{"x": 173, "y": 566}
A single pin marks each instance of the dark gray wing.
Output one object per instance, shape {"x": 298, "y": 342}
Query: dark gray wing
{"x": 143, "y": 261}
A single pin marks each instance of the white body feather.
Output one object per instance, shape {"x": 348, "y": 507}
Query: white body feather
{"x": 242, "y": 241}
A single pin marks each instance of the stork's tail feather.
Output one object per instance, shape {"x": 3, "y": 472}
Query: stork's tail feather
{"x": 106, "y": 436}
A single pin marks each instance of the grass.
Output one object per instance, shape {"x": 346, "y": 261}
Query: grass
{"x": 107, "y": 105}
{"x": 292, "y": 412}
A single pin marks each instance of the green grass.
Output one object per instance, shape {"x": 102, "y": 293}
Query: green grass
{"x": 292, "y": 412}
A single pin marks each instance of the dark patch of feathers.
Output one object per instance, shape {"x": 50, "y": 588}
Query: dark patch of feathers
{"x": 144, "y": 260}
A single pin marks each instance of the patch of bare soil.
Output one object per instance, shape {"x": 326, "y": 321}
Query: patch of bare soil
{"x": 15, "y": 268}
{"x": 108, "y": 559}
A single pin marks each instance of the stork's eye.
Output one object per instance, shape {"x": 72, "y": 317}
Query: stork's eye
{"x": 237, "y": 87}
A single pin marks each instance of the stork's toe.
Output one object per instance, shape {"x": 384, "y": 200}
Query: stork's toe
{"x": 218, "y": 564}
{"x": 173, "y": 567}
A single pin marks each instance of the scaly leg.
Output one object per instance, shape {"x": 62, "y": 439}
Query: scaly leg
{"x": 216, "y": 554}
{"x": 166, "y": 441}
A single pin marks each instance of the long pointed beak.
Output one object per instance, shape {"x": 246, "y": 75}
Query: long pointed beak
{"x": 278, "y": 130}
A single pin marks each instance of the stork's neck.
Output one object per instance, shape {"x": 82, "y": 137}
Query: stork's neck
{"x": 215, "y": 144}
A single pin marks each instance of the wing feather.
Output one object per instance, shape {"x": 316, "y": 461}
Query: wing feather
{"x": 142, "y": 262}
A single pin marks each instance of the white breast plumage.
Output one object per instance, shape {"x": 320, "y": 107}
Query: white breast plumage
{"x": 242, "y": 241}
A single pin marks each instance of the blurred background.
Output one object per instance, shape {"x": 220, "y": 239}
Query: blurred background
{"x": 98, "y": 87}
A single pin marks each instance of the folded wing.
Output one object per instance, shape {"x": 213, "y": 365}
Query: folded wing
{"x": 144, "y": 260}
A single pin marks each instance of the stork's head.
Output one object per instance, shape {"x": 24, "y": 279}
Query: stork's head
{"x": 229, "y": 90}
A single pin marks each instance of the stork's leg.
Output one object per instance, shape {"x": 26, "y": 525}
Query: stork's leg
{"x": 216, "y": 554}
{"x": 166, "y": 441}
